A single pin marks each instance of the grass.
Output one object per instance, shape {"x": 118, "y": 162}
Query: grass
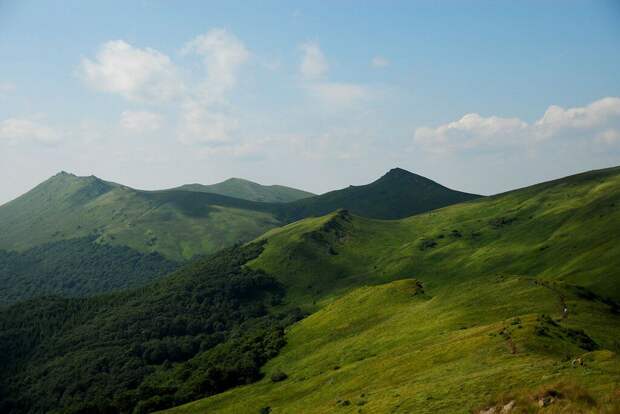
{"x": 512, "y": 290}
{"x": 391, "y": 348}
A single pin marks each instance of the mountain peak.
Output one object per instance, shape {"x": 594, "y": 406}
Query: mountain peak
{"x": 397, "y": 171}
{"x": 64, "y": 173}
{"x": 400, "y": 174}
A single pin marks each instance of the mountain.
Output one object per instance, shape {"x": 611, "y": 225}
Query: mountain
{"x": 180, "y": 224}
{"x": 513, "y": 297}
{"x": 248, "y": 190}
{"x": 397, "y": 194}
{"x": 510, "y": 299}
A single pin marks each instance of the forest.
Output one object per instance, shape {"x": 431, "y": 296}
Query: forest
{"x": 76, "y": 268}
{"x": 205, "y": 328}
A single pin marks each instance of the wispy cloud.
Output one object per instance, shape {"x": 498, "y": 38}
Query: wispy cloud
{"x": 223, "y": 55}
{"x": 7, "y": 87}
{"x": 18, "y": 130}
{"x": 140, "y": 122}
{"x": 313, "y": 63}
{"x": 313, "y": 68}
{"x": 379, "y": 62}
{"x": 335, "y": 94}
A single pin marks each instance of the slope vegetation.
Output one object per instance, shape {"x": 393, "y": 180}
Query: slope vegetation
{"x": 395, "y": 348}
{"x": 511, "y": 299}
{"x": 75, "y": 268}
{"x": 201, "y": 330}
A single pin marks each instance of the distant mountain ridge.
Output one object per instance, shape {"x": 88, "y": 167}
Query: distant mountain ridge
{"x": 183, "y": 222}
{"x": 249, "y": 190}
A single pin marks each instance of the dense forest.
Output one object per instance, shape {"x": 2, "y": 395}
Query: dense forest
{"x": 75, "y": 268}
{"x": 207, "y": 327}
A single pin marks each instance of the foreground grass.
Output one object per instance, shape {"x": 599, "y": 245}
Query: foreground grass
{"x": 393, "y": 348}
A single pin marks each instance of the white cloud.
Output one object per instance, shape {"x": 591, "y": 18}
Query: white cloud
{"x": 379, "y": 62}
{"x": 223, "y": 54}
{"x": 598, "y": 113}
{"x": 313, "y": 67}
{"x": 472, "y": 130}
{"x": 335, "y": 94}
{"x": 140, "y": 122}
{"x": 136, "y": 74}
{"x": 16, "y": 130}
{"x": 200, "y": 125}
{"x": 313, "y": 62}
{"x": 596, "y": 122}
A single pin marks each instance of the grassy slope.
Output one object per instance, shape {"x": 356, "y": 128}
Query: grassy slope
{"x": 178, "y": 224}
{"x": 449, "y": 346}
{"x": 567, "y": 229}
{"x": 248, "y": 190}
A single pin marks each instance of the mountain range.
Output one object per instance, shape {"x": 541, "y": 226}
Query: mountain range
{"x": 249, "y": 190}
{"x": 425, "y": 301}
{"x": 194, "y": 219}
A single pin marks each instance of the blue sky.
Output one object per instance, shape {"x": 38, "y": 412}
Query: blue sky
{"x": 482, "y": 96}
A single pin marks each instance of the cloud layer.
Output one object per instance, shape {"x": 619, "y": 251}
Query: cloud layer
{"x": 598, "y": 122}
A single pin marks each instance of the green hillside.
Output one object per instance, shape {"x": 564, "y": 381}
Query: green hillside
{"x": 396, "y": 348}
{"x": 397, "y": 194}
{"x": 248, "y": 190}
{"x": 177, "y": 224}
{"x": 511, "y": 297}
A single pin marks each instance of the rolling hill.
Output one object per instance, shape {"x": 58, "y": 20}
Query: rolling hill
{"x": 177, "y": 224}
{"x": 507, "y": 300}
{"x": 248, "y": 190}
{"x": 180, "y": 224}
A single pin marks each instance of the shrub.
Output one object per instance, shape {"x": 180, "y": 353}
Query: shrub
{"x": 278, "y": 376}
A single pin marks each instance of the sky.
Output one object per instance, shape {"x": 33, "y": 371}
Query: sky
{"x": 481, "y": 96}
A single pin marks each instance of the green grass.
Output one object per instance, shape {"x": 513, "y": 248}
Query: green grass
{"x": 391, "y": 348}
{"x": 485, "y": 324}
